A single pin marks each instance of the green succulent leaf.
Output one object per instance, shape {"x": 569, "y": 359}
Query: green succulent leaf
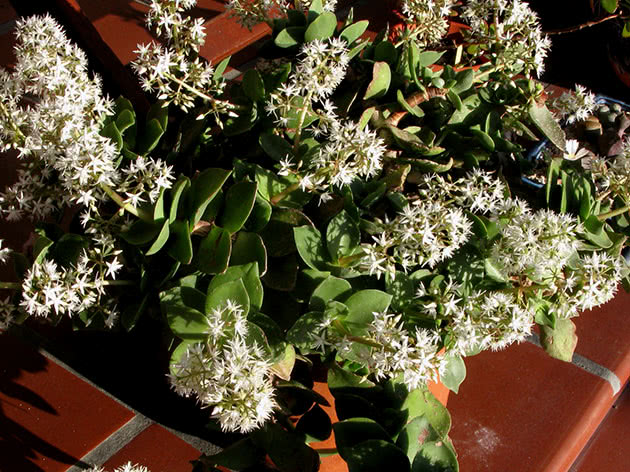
{"x": 332, "y": 288}
{"x": 423, "y": 403}
{"x": 239, "y": 201}
{"x": 249, "y": 247}
{"x": 364, "y": 303}
{"x": 161, "y": 239}
{"x": 381, "y": 79}
{"x": 179, "y": 245}
{"x": 455, "y": 373}
{"x": 544, "y": 120}
{"x": 354, "y": 31}
{"x": 342, "y": 236}
{"x": 214, "y": 251}
{"x": 415, "y": 435}
{"x": 289, "y": 37}
{"x": 150, "y": 137}
{"x": 177, "y": 193}
{"x": 560, "y": 341}
{"x": 205, "y": 187}
{"x": 275, "y": 146}
{"x": 428, "y": 58}
{"x": 310, "y": 246}
{"x": 323, "y": 27}
{"x": 315, "y": 425}
{"x": 253, "y": 85}
{"x": 435, "y": 456}
{"x": 186, "y": 322}
{"x": 234, "y": 291}
{"x": 376, "y": 455}
{"x": 238, "y": 456}
{"x": 249, "y": 274}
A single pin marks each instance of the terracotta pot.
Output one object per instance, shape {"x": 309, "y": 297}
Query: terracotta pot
{"x": 334, "y": 462}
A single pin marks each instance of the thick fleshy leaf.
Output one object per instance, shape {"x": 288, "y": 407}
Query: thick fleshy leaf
{"x": 239, "y": 201}
{"x": 140, "y": 232}
{"x": 150, "y": 137}
{"x": 547, "y": 124}
{"x": 178, "y": 192}
{"x": 249, "y": 247}
{"x": 323, "y": 27}
{"x": 186, "y": 322}
{"x": 278, "y": 234}
{"x": 205, "y": 187}
{"x": 455, "y": 373}
{"x": 381, "y": 79}
{"x": 332, "y": 288}
{"x": 234, "y": 291}
{"x": 111, "y": 131}
{"x": 364, "y": 303}
{"x": 435, "y": 456}
{"x": 214, "y": 251}
{"x": 340, "y": 380}
{"x": 260, "y": 215}
{"x": 161, "y": 239}
{"x": 315, "y": 425}
{"x": 414, "y": 435}
{"x": 428, "y": 58}
{"x": 423, "y": 403}
{"x": 248, "y": 273}
{"x": 289, "y": 37}
{"x": 179, "y": 245}
{"x": 376, "y": 455}
{"x": 354, "y": 31}
{"x": 287, "y": 451}
{"x": 342, "y": 236}
{"x": 283, "y": 367}
{"x": 275, "y": 146}
{"x": 253, "y": 85}
{"x": 559, "y": 342}
{"x": 310, "y": 246}
{"x": 350, "y": 432}
{"x": 300, "y": 334}
{"x": 238, "y": 456}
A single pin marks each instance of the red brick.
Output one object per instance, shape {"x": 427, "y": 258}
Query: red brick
{"x": 49, "y": 418}
{"x": 608, "y": 449}
{"x": 158, "y": 450}
{"x": 604, "y": 335}
{"x": 519, "y": 409}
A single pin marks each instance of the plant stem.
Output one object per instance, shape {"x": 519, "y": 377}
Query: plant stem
{"x": 124, "y": 283}
{"x": 610, "y": 214}
{"x": 142, "y": 214}
{"x": 298, "y": 132}
{"x": 588, "y": 24}
{"x": 10, "y": 286}
{"x": 280, "y": 196}
{"x": 200, "y": 94}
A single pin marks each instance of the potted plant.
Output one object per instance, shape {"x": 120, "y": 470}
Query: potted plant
{"x": 350, "y": 214}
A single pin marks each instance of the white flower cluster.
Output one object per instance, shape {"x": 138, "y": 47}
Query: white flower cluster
{"x": 51, "y": 290}
{"x": 478, "y": 191}
{"x": 537, "y": 244}
{"x": 592, "y": 283}
{"x": 175, "y": 71}
{"x": 429, "y": 19}
{"x": 575, "y": 106}
{"x": 128, "y": 467}
{"x": 424, "y": 234}
{"x": 5, "y": 252}
{"x": 349, "y": 153}
{"x": 145, "y": 178}
{"x": 7, "y": 311}
{"x": 227, "y": 373}
{"x": 512, "y": 29}
{"x": 490, "y": 320}
{"x": 320, "y": 70}
{"x": 415, "y": 356}
{"x": 50, "y": 110}
{"x": 251, "y": 12}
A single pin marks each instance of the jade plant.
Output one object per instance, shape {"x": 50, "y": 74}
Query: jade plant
{"x": 352, "y": 211}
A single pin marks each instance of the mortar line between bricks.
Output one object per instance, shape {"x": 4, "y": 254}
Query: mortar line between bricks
{"x": 112, "y": 444}
{"x": 587, "y": 365}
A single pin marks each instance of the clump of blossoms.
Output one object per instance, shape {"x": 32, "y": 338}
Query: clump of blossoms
{"x": 50, "y": 111}
{"x": 423, "y": 234}
{"x": 428, "y": 20}
{"x": 511, "y": 29}
{"x": 50, "y": 290}
{"x": 575, "y": 106}
{"x": 128, "y": 467}
{"x": 175, "y": 71}
{"x": 249, "y": 13}
{"x": 227, "y": 373}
